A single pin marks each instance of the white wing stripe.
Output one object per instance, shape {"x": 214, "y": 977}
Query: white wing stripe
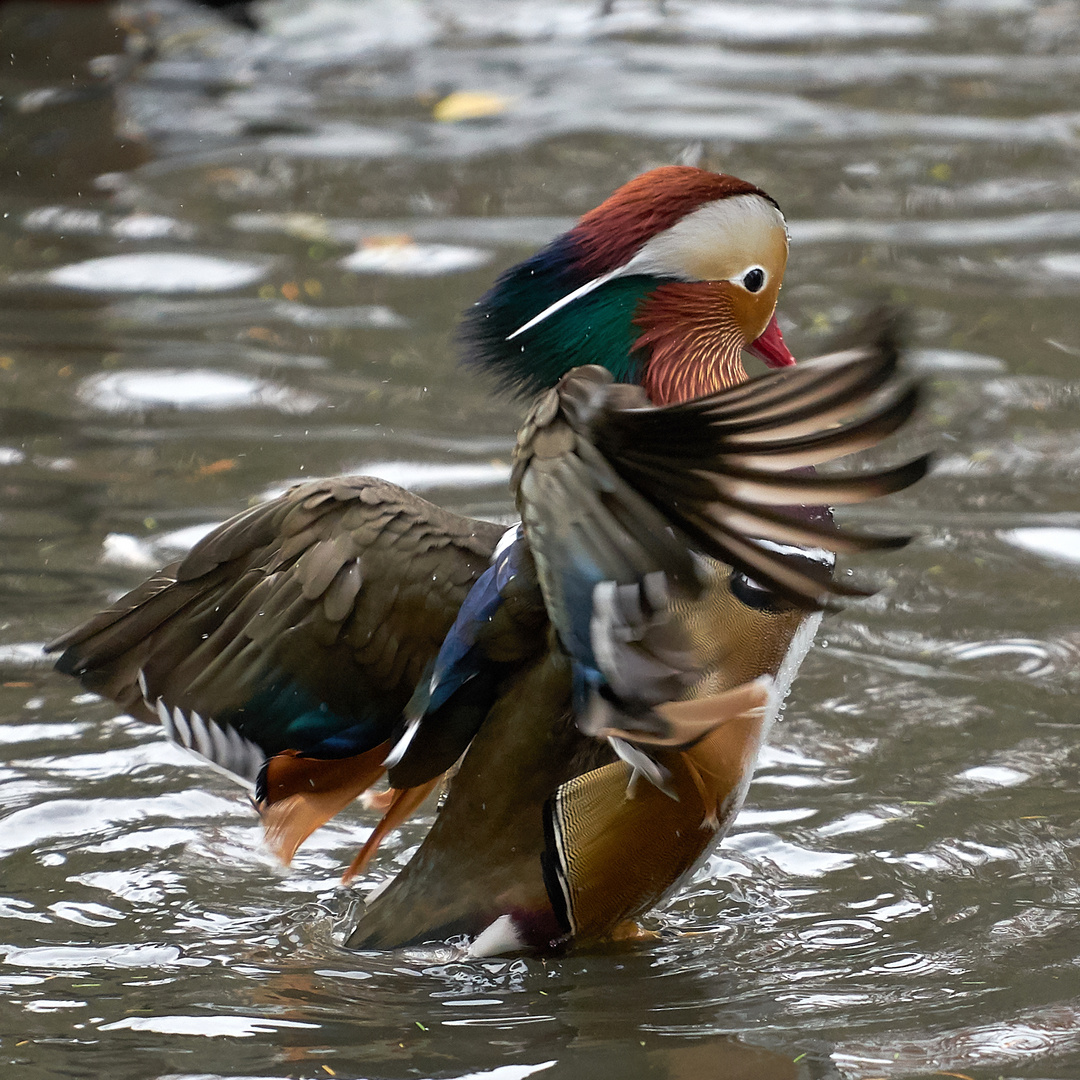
{"x": 220, "y": 750}
{"x": 183, "y": 729}
{"x": 221, "y": 747}
{"x": 201, "y": 741}
{"x": 166, "y": 719}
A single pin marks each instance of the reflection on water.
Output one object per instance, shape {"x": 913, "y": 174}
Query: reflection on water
{"x": 190, "y": 389}
{"x": 234, "y": 262}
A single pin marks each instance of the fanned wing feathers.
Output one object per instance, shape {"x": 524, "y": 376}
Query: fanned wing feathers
{"x": 780, "y": 455}
{"x": 299, "y": 626}
{"x": 719, "y": 467}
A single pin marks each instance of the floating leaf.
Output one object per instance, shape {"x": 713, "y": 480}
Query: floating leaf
{"x": 469, "y": 105}
{"x": 220, "y": 466}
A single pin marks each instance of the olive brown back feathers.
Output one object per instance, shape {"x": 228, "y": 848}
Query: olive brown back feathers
{"x": 663, "y": 284}
{"x": 284, "y": 647}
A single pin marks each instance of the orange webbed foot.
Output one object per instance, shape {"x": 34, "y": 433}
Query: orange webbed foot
{"x": 403, "y": 802}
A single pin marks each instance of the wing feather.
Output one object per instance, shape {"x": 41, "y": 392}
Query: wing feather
{"x": 298, "y": 619}
{"x": 722, "y": 471}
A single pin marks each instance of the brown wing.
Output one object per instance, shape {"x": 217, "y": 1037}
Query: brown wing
{"x": 298, "y": 628}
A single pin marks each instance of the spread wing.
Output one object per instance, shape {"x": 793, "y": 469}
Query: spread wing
{"x": 617, "y": 498}
{"x": 730, "y": 469}
{"x": 614, "y": 493}
{"x": 294, "y": 634}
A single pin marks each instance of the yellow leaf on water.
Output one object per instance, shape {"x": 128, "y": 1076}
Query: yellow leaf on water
{"x": 228, "y": 176}
{"x": 220, "y": 466}
{"x": 386, "y": 240}
{"x": 469, "y": 105}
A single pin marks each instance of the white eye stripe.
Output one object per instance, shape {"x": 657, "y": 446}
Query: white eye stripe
{"x": 686, "y": 251}
{"x": 693, "y": 248}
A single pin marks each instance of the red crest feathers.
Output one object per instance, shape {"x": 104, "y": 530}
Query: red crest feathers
{"x": 607, "y": 237}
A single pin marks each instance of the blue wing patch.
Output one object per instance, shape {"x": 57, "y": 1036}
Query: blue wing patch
{"x": 449, "y": 706}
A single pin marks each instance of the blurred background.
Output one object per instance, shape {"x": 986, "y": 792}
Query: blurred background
{"x": 233, "y": 246}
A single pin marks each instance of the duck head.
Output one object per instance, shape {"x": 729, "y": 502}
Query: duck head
{"x": 664, "y": 284}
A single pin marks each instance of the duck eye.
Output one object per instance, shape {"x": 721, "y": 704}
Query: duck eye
{"x": 747, "y": 591}
{"x": 754, "y": 279}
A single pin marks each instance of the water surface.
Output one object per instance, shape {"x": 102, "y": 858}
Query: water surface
{"x": 229, "y": 261}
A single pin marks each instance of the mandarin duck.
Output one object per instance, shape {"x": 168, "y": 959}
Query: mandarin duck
{"x": 595, "y": 682}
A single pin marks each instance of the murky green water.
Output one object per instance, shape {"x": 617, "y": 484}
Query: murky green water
{"x": 901, "y": 898}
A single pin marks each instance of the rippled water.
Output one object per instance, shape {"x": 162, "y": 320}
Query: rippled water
{"x": 236, "y": 262}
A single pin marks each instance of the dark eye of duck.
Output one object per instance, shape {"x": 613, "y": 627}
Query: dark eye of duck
{"x": 747, "y": 591}
{"x": 754, "y": 279}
